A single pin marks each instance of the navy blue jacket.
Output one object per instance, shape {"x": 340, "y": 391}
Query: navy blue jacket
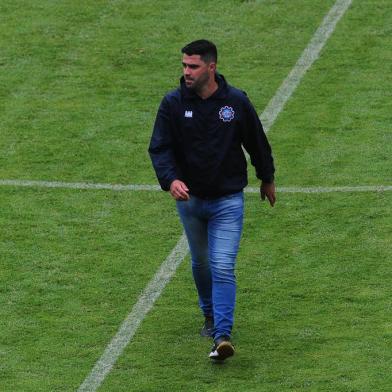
{"x": 199, "y": 141}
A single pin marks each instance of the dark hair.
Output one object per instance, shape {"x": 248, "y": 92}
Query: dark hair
{"x": 206, "y": 49}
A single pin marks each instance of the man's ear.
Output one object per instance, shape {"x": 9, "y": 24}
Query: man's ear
{"x": 212, "y": 67}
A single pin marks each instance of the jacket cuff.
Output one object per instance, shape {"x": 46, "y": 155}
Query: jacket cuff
{"x": 165, "y": 184}
{"x": 268, "y": 180}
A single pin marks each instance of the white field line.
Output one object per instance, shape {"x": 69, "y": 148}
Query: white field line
{"x": 330, "y": 189}
{"x": 108, "y": 358}
{"x": 147, "y": 187}
{"x": 309, "y": 55}
{"x": 78, "y": 185}
{"x": 129, "y": 326}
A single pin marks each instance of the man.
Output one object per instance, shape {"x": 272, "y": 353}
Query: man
{"x": 196, "y": 151}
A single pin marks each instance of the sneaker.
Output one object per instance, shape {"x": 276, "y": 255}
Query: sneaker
{"x": 208, "y": 327}
{"x": 222, "y": 349}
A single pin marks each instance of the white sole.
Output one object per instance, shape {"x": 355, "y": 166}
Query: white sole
{"x": 223, "y": 351}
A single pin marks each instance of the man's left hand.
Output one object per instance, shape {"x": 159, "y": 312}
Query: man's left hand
{"x": 268, "y": 190}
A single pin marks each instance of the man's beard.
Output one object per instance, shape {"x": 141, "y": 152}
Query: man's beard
{"x": 199, "y": 84}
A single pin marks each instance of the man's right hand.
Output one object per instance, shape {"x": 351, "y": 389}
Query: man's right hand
{"x": 179, "y": 190}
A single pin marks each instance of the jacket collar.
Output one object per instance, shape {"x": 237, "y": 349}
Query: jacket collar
{"x": 220, "y": 93}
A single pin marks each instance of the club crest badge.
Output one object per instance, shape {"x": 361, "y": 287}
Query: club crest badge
{"x": 226, "y": 113}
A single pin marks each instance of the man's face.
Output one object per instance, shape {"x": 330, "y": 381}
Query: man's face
{"x": 196, "y": 72}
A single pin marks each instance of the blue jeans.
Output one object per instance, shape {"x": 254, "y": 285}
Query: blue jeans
{"x": 213, "y": 228}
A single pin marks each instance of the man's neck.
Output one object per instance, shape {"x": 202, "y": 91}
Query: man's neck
{"x": 208, "y": 89}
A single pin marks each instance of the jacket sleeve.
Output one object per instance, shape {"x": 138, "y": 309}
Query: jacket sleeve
{"x": 161, "y": 148}
{"x": 256, "y": 144}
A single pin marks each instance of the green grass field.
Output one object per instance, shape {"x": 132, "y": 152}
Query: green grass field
{"x": 80, "y": 83}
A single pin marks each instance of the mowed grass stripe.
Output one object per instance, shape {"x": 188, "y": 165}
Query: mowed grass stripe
{"x": 148, "y": 187}
{"x": 106, "y": 362}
